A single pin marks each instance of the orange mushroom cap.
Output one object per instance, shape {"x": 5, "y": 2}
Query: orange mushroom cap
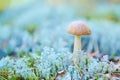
{"x": 78, "y": 28}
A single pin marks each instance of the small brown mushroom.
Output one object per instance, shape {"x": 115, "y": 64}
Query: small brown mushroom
{"x": 78, "y": 28}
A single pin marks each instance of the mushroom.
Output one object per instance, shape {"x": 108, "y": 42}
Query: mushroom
{"x": 78, "y": 28}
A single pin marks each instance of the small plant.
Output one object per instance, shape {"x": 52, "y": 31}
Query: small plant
{"x": 31, "y": 29}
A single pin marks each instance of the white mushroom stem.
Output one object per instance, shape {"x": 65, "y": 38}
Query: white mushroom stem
{"x": 77, "y": 48}
{"x": 77, "y": 44}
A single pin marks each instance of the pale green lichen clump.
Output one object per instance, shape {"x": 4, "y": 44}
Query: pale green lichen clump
{"x": 50, "y": 62}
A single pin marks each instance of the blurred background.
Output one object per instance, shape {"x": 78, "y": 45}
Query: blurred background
{"x": 27, "y": 26}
